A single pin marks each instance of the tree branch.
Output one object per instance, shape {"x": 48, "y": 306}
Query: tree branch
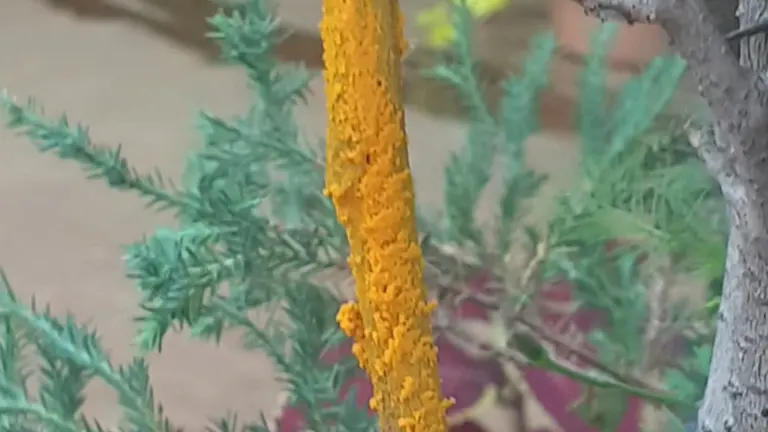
{"x": 735, "y": 94}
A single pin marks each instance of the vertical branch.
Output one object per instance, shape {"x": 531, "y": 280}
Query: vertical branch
{"x": 369, "y": 181}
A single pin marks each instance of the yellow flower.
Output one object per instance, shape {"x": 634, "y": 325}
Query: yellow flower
{"x": 484, "y": 8}
{"x": 436, "y": 22}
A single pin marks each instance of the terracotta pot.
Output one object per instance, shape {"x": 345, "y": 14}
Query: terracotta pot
{"x": 633, "y": 47}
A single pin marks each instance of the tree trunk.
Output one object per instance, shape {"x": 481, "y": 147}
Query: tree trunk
{"x": 736, "y": 397}
{"x": 724, "y": 12}
{"x": 754, "y": 50}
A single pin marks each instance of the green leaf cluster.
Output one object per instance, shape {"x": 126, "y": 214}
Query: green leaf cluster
{"x": 254, "y": 230}
{"x": 640, "y": 188}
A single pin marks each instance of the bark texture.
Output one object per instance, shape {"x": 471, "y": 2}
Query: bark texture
{"x": 754, "y": 49}
{"x": 736, "y": 398}
{"x": 724, "y": 12}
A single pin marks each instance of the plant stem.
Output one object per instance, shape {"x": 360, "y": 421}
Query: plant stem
{"x": 369, "y": 181}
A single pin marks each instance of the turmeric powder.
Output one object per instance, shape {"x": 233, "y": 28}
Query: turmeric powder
{"x": 369, "y": 181}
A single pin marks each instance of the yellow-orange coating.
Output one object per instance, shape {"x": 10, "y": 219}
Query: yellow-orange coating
{"x": 369, "y": 181}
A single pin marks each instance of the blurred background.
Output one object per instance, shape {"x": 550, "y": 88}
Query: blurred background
{"x": 136, "y": 72}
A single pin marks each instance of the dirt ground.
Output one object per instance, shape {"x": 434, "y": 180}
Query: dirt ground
{"x": 136, "y": 83}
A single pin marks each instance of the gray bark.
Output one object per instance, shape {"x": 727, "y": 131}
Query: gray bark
{"x": 736, "y": 398}
{"x": 724, "y": 12}
{"x": 754, "y": 49}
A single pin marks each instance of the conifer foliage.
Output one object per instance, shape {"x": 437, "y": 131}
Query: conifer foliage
{"x": 256, "y": 234}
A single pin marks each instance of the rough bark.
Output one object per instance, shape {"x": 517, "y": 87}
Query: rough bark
{"x": 754, "y": 49}
{"x": 724, "y": 12}
{"x": 736, "y": 399}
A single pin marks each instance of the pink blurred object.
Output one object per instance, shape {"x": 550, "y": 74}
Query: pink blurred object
{"x": 468, "y": 380}
{"x": 465, "y": 379}
{"x": 557, "y": 393}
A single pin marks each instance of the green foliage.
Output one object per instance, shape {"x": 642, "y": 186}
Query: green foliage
{"x": 70, "y": 356}
{"x": 255, "y": 234}
{"x": 688, "y": 380}
{"x": 228, "y": 257}
{"x": 469, "y": 170}
{"x": 639, "y": 183}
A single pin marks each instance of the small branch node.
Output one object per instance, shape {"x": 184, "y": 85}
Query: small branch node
{"x": 716, "y": 158}
{"x": 629, "y": 11}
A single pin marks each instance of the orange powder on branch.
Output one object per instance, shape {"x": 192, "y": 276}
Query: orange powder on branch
{"x": 369, "y": 181}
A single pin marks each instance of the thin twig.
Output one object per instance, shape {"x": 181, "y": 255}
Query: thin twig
{"x": 526, "y": 282}
{"x": 560, "y": 343}
{"x": 656, "y": 300}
